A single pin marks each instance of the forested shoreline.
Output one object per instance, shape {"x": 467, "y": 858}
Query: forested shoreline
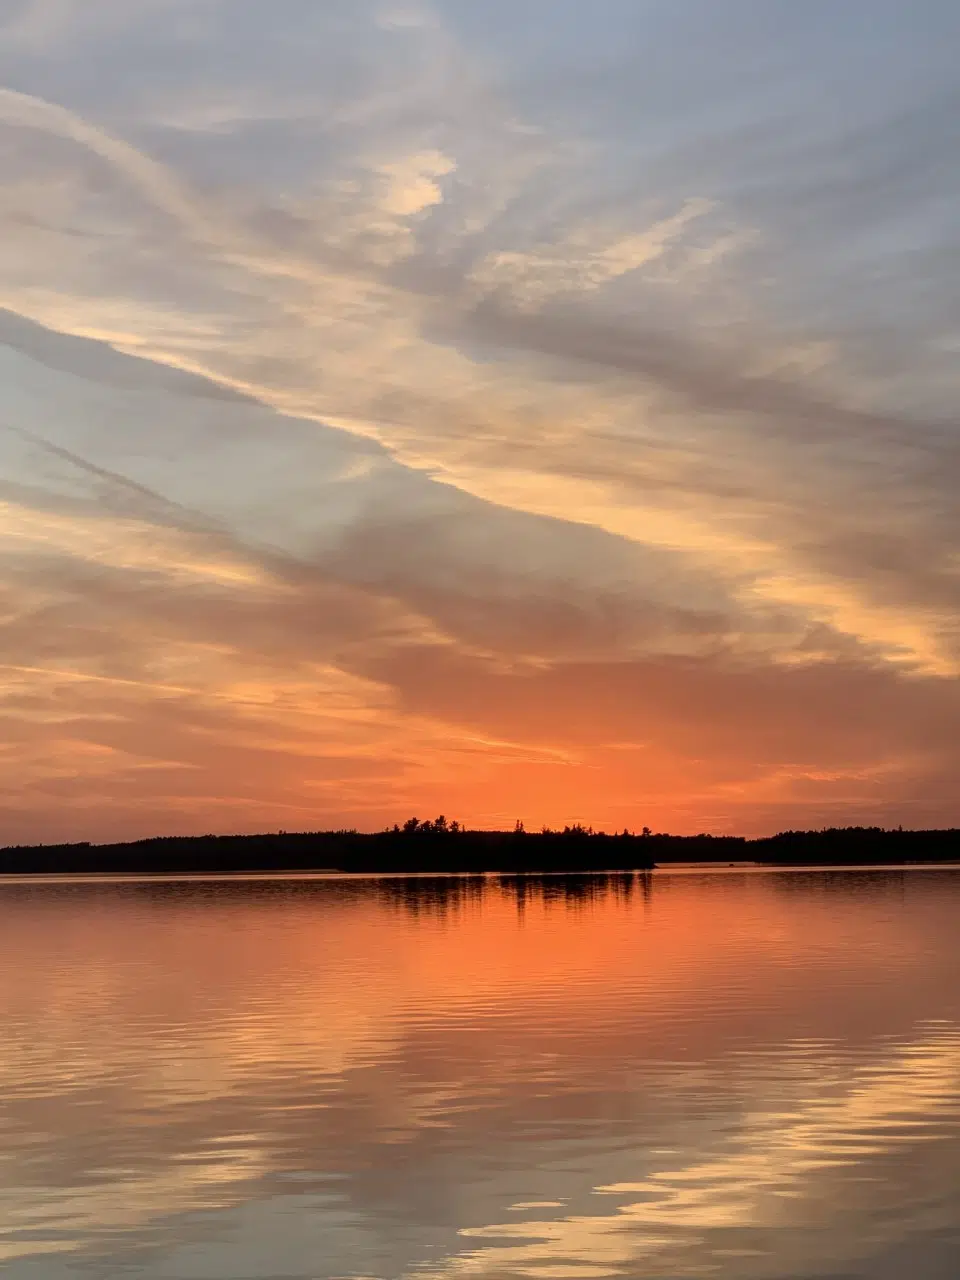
{"x": 439, "y": 846}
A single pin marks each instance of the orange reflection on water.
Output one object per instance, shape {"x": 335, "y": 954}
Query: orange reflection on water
{"x": 727, "y": 1056}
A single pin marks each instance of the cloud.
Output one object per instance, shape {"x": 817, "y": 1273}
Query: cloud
{"x": 413, "y": 184}
{"x": 334, "y": 341}
{"x": 582, "y": 262}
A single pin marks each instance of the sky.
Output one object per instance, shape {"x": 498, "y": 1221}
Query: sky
{"x": 538, "y": 410}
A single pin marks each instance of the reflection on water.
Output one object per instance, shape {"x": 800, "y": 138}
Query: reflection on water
{"x": 733, "y": 1075}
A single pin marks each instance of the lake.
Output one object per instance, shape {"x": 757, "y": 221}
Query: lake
{"x": 731, "y": 1075}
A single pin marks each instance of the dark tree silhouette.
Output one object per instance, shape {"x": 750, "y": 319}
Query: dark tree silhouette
{"x": 442, "y": 846}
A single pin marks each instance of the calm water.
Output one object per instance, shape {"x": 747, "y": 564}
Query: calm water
{"x": 733, "y": 1075}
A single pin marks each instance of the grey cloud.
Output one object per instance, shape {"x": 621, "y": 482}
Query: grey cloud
{"x": 98, "y": 361}
{"x": 294, "y": 507}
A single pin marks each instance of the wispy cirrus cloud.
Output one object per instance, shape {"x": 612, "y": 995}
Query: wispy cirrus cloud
{"x": 339, "y": 343}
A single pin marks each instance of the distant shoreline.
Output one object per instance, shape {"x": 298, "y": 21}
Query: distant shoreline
{"x": 441, "y": 848}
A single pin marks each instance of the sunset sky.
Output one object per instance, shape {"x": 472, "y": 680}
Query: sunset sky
{"x": 536, "y": 409}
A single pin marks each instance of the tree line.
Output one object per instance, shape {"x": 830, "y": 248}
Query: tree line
{"x": 437, "y": 845}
